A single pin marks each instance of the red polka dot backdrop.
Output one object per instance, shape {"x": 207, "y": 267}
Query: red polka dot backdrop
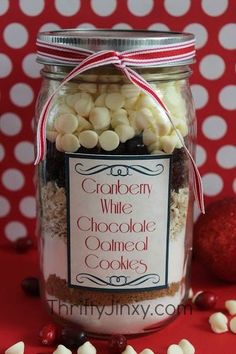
{"x": 213, "y": 85}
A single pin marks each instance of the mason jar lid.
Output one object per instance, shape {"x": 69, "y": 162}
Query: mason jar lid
{"x": 118, "y": 40}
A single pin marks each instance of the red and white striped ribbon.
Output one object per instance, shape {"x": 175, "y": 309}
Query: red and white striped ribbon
{"x": 83, "y": 60}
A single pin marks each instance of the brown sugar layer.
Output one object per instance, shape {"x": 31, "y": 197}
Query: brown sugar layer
{"x": 57, "y": 287}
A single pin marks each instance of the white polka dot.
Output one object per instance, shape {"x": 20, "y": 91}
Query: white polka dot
{"x": 227, "y": 97}
{"x": 177, "y": 8}
{"x": 49, "y": 27}
{"x": 200, "y": 96}
{"x": 13, "y": 179}
{"x": 15, "y": 230}
{"x": 214, "y": 7}
{"x": 10, "y": 124}
{"x": 24, "y": 152}
{"x": 121, "y": 25}
{"x": 140, "y": 7}
{"x": 201, "y": 156}
{"x": 6, "y": 65}
{"x": 226, "y": 156}
{"x": 21, "y": 95}
{"x": 32, "y": 8}
{"x": 214, "y": 127}
{"x": 86, "y": 25}
{"x": 212, "y": 67}
{"x": 158, "y": 27}
{"x": 66, "y": 9}
{"x": 227, "y": 36}
{"x": 4, "y": 6}
{"x": 212, "y": 184}
{"x": 4, "y": 206}
{"x": 30, "y": 66}
{"x": 15, "y": 35}
{"x": 28, "y": 207}
{"x": 199, "y": 32}
{"x": 2, "y": 152}
{"x": 103, "y": 7}
{"x": 234, "y": 185}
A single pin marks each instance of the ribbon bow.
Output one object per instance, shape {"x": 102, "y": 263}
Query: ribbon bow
{"x": 83, "y": 60}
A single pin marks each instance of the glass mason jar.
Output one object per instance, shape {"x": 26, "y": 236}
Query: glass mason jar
{"x": 115, "y": 197}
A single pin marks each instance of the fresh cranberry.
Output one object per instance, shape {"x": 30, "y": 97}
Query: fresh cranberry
{"x": 22, "y": 244}
{"x": 205, "y": 300}
{"x": 71, "y": 338}
{"x": 117, "y": 344}
{"x": 48, "y": 334}
{"x": 30, "y": 286}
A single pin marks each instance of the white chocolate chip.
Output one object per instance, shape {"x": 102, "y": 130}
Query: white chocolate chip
{"x": 57, "y": 109}
{"x": 156, "y": 146}
{"x": 119, "y": 112}
{"x": 17, "y": 348}
{"x": 72, "y": 99}
{"x": 186, "y": 346}
{"x": 157, "y": 152}
{"x": 51, "y": 135}
{"x": 218, "y": 322}
{"x": 145, "y": 101}
{"x": 69, "y": 143}
{"x": 176, "y": 133}
{"x": 144, "y": 118}
{"x": 125, "y": 132}
{"x": 90, "y": 88}
{"x": 174, "y": 101}
{"x": 146, "y": 351}
{"x": 114, "y": 101}
{"x": 163, "y": 124}
{"x": 109, "y": 140}
{"x": 130, "y": 103}
{"x": 100, "y": 118}
{"x": 66, "y": 123}
{"x": 100, "y": 100}
{"x": 61, "y": 349}
{"x": 181, "y": 125}
{"x": 84, "y": 104}
{"x": 231, "y": 306}
{"x": 129, "y": 350}
{"x": 169, "y": 143}
{"x": 83, "y": 124}
{"x": 88, "y": 139}
{"x": 130, "y": 91}
{"x": 132, "y": 121}
{"x": 196, "y": 295}
{"x": 232, "y": 325}
{"x": 86, "y": 348}
{"x": 174, "y": 349}
{"x": 119, "y": 117}
{"x": 58, "y": 142}
{"x": 149, "y": 136}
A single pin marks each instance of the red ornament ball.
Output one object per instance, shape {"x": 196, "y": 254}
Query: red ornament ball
{"x": 215, "y": 239}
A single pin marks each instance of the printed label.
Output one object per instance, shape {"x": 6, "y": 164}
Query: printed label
{"x": 118, "y": 221}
